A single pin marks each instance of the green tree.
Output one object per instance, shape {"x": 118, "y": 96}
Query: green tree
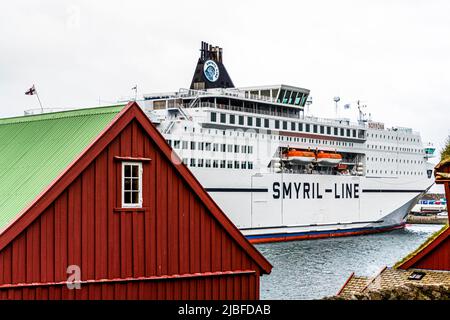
{"x": 446, "y": 151}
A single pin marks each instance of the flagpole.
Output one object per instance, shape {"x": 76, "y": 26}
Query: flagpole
{"x": 40, "y": 103}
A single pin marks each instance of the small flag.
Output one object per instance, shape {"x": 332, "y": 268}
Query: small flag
{"x": 347, "y": 106}
{"x": 31, "y": 91}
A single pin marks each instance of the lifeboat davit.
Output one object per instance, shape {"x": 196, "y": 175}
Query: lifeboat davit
{"x": 328, "y": 159}
{"x": 300, "y": 156}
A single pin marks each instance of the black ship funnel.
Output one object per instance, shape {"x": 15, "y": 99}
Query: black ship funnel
{"x": 210, "y": 71}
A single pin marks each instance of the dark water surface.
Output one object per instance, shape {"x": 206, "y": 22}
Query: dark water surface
{"x": 314, "y": 269}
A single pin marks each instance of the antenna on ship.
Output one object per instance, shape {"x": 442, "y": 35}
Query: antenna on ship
{"x": 135, "y": 89}
{"x": 309, "y": 102}
{"x": 362, "y": 114}
{"x": 336, "y": 100}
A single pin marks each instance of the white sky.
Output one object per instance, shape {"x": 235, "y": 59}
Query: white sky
{"x": 393, "y": 55}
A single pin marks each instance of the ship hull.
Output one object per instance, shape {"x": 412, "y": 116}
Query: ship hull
{"x": 311, "y": 235}
{"x": 284, "y": 207}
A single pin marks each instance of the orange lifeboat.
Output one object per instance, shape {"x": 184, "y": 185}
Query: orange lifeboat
{"x": 327, "y": 159}
{"x": 300, "y": 156}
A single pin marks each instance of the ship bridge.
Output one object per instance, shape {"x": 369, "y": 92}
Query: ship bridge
{"x": 282, "y": 94}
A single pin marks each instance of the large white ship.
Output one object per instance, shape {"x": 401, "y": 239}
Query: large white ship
{"x": 280, "y": 174}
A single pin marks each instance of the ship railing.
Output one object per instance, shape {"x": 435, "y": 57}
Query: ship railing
{"x": 248, "y": 110}
{"x": 319, "y": 172}
{"x": 341, "y": 122}
{"x": 36, "y": 111}
{"x": 234, "y": 93}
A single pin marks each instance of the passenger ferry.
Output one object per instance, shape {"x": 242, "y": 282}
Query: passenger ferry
{"x": 281, "y": 174}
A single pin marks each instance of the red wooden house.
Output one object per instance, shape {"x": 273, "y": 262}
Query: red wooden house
{"x": 97, "y": 196}
{"x": 434, "y": 255}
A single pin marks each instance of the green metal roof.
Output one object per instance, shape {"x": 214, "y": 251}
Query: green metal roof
{"x": 34, "y": 150}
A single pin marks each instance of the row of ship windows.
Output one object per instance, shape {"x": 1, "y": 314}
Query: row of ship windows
{"x": 282, "y": 138}
{"x": 395, "y": 160}
{"x": 208, "y": 146}
{"x": 294, "y": 126}
{"x": 389, "y": 148}
{"x": 317, "y": 141}
{"x": 388, "y": 137}
{"x": 223, "y": 164}
{"x": 406, "y": 173}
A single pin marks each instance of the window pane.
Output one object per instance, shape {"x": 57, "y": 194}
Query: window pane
{"x": 127, "y": 197}
{"x": 286, "y": 96}
{"x": 127, "y": 184}
{"x": 135, "y": 184}
{"x": 274, "y": 93}
{"x": 127, "y": 171}
{"x": 135, "y": 171}
{"x": 280, "y": 97}
{"x": 135, "y": 197}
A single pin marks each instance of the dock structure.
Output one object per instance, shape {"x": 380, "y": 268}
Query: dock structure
{"x": 95, "y": 205}
{"x": 428, "y": 266}
{"x": 434, "y": 219}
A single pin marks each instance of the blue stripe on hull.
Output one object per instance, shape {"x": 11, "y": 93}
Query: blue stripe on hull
{"x": 330, "y": 232}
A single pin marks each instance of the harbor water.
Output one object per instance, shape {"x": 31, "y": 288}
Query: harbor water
{"x": 314, "y": 269}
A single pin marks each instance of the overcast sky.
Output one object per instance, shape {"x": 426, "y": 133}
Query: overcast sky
{"x": 393, "y": 55}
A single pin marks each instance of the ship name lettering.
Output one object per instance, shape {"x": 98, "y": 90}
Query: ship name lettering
{"x": 346, "y": 191}
{"x": 296, "y": 190}
{"x": 306, "y": 190}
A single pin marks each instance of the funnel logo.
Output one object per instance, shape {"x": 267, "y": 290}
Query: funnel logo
{"x": 211, "y": 71}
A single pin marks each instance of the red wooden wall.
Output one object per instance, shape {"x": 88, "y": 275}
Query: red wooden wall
{"x": 127, "y": 253}
{"x": 436, "y": 255}
{"x": 436, "y": 259}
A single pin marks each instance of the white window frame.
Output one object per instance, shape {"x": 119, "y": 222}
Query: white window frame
{"x": 131, "y": 205}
